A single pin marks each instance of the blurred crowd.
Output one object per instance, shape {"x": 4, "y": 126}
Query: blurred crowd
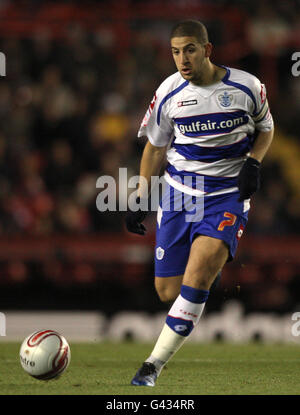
{"x": 70, "y": 109}
{"x": 62, "y": 125}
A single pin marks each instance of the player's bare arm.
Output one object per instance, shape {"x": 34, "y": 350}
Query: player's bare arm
{"x": 152, "y": 160}
{"x": 151, "y": 163}
{"x": 262, "y": 144}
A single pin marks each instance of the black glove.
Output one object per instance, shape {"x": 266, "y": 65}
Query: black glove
{"x": 134, "y": 219}
{"x": 249, "y": 178}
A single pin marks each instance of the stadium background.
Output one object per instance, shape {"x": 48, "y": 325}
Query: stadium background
{"x": 79, "y": 79}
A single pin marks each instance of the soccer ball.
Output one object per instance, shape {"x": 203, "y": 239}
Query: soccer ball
{"x": 45, "y": 354}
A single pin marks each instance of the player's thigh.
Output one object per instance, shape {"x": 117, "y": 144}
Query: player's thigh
{"x": 168, "y": 288}
{"x": 207, "y": 257}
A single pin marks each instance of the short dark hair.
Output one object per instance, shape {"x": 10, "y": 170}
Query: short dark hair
{"x": 191, "y": 28}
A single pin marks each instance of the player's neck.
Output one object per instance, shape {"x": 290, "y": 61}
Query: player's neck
{"x": 212, "y": 75}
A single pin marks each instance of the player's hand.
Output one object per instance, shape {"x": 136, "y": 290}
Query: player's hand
{"x": 134, "y": 220}
{"x": 249, "y": 178}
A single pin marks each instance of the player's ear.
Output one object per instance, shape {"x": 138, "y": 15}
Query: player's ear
{"x": 208, "y": 49}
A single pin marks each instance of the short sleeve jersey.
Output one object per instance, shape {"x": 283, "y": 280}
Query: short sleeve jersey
{"x": 208, "y": 130}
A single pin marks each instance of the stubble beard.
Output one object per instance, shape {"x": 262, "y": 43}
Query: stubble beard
{"x": 197, "y": 75}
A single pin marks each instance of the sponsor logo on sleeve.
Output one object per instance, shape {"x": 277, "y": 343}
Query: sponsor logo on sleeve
{"x": 263, "y": 93}
{"x": 149, "y": 111}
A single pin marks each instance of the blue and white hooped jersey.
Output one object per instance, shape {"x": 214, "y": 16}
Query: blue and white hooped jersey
{"x": 209, "y": 130}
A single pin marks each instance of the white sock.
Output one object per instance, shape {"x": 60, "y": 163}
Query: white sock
{"x": 182, "y": 318}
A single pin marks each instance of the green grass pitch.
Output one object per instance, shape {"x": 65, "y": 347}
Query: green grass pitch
{"x": 197, "y": 369}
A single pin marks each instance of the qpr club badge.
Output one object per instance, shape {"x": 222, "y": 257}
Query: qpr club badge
{"x": 225, "y": 99}
{"x": 160, "y": 252}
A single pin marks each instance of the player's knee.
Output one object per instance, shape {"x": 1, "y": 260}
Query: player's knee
{"x": 166, "y": 292}
{"x": 165, "y": 295}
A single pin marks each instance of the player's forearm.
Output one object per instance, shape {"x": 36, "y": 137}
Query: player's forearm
{"x": 262, "y": 144}
{"x": 151, "y": 163}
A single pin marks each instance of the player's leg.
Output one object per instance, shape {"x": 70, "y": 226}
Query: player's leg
{"x": 201, "y": 270}
{"x": 173, "y": 245}
{"x": 207, "y": 257}
{"x": 168, "y": 288}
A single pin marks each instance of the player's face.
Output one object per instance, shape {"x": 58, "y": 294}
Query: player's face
{"x": 191, "y": 57}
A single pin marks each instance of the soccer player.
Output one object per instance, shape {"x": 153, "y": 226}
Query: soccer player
{"x": 214, "y": 126}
